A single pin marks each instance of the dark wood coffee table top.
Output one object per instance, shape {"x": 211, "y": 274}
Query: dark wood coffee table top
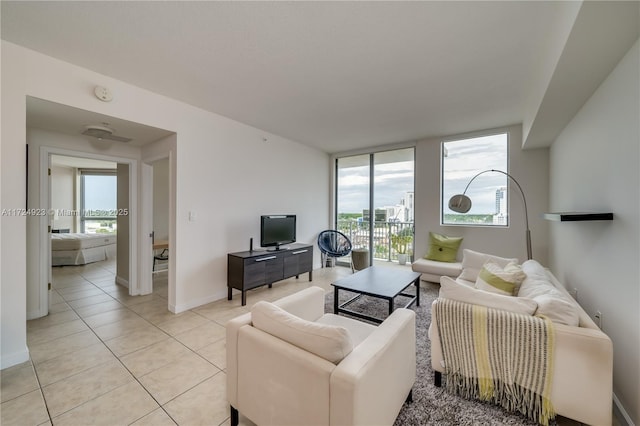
{"x": 378, "y": 281}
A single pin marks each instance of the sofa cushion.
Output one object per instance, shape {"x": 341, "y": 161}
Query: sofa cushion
{"x": 552, "y": 302}
{"x": 330, "y": 342}
{"x": 472, "y": 262}
{"x": 426, "y": 266}
{"x": 450, "y": 289}
{"x": 358, "y": 330}
{"x": 495, "y": 279}
{"x": 443, "y": 248}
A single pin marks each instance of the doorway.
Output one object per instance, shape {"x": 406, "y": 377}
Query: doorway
{"x": 375, "y": 203}
{"x": 52, "y": 129}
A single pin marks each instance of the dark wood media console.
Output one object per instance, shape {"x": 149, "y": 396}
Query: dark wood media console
{"x": 251, "y": 269}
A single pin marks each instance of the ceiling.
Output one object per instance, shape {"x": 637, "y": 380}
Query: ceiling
{"x": 338, "y": 76}
{"x": 52, "y": 116}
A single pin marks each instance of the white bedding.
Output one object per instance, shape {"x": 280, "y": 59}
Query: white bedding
{"x": 80, "y": 241}
{"x": 80, "y": 249}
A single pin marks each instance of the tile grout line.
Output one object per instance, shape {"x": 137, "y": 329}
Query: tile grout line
{"x": 103, "y": 342}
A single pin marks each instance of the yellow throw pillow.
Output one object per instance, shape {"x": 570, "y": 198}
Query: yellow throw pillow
{"x": 496, "y": 279}
{"x": 443, "y": 248}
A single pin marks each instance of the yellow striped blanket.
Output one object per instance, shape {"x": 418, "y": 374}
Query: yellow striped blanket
{"x": 498, "y": 356}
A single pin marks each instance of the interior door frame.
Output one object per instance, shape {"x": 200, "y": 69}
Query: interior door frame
{"x": 45, "y": 200}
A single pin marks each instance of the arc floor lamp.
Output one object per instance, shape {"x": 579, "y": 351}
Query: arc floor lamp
{"x": 461, "y": 203}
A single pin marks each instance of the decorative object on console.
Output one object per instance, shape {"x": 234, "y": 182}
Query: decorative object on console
{"x": 460, "y": 203}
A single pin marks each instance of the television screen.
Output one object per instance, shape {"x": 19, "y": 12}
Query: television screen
{"x": 277, "y": 229}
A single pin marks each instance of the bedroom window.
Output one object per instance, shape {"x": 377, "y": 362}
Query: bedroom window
{"x": 98, "y": 205}
{"x": 463, "y": 159}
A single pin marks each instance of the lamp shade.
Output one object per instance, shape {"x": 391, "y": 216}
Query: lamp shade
{"x": 460, "y": 203}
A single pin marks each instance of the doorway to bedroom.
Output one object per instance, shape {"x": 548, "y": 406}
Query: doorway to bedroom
{"x": 56, "y": 130}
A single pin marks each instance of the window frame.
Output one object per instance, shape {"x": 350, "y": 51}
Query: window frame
{"x": 83, "y": 210}
{"x": 472, "y": 180}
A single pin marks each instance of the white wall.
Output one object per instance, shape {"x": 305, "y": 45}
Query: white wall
{"x": 161, "y": 199}
{"x": 594, "y": 167}
{"x": 122, "y": 246}
{"x": 62, "y": 195}
{"x": 529, "y": 168}
{"x": 225, "y": 172}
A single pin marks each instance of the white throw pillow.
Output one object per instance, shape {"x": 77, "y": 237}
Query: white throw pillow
{"x": 552, "y": 303}
{"x": 472, "y": 262}
{"x": 495, "y": 279}
{"x": 450, "y": 289}
{"x": 330, "y": 342}
{"x": 557, "y": 309}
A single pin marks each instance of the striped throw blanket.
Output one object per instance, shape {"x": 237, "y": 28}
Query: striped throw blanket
{"x": 498, "y": 356}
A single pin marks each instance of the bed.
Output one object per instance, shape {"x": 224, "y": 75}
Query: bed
{"x": 80, "y": 249}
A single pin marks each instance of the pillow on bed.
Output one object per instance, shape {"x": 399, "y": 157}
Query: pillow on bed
{"x": 450, "y": 289}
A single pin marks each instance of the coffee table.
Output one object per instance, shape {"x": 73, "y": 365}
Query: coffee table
{"x": 383, "y": 283}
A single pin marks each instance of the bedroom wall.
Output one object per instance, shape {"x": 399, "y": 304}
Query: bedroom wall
{"x": 227, "y": 173}
{"x": 594, "y": 167}
{"x": 528, "y": 167}
{"x": 161, "y": 199}
{"x": 122, "y": 246}
{"x": 62, "y": 196}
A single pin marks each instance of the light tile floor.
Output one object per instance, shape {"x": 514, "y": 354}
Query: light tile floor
{"x": 104, "y": 357}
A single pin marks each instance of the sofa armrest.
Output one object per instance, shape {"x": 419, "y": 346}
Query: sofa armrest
{"x": 583, "y": 371}
{"x": 370, "y": 385}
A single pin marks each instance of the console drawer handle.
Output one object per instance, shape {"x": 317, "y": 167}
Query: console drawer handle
{"x": 301, "y": 251}
{"x": 262, "y": 259}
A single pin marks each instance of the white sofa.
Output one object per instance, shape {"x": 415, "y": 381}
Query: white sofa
{"x": 583, "y": 356}
{"x": 289, "y": 363}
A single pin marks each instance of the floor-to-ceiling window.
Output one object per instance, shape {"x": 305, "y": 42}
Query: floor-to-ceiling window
{"x": 374, "y": 202}
{"x": 98, "y": 205}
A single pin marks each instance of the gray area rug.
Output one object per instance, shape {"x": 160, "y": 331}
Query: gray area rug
{"x": 431, "y": 405}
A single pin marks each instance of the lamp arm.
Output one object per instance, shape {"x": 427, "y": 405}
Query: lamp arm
{"x": 524, "y": 199}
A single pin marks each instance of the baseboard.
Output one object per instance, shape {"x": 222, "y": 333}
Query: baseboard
{"x": 122, "y": 281}
{"x": 14, "y": 358}
{"x": 620, "y": 413}
{"x": 176, "y": 309}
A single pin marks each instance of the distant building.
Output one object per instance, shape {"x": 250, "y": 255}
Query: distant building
{"x": 500, "y": 216}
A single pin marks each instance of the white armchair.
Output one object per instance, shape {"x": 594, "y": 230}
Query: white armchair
{"x": 289, "y": 363}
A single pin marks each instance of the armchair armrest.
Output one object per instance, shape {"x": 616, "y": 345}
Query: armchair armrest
{"x": 307, "y": 304}
{"x": 370, "y": 385}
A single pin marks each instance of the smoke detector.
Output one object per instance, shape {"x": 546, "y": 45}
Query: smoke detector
{"x": 102, "y": 132}
{"x": 103, "y": 94}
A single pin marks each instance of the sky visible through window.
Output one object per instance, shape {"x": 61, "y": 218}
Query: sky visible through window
{"x": 463, "y": 159}
{"x": 100, "y": 192}
{"x": 392, "y": 180}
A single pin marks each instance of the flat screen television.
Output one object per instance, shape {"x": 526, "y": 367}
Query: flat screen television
{"x": 276, "y": 230}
